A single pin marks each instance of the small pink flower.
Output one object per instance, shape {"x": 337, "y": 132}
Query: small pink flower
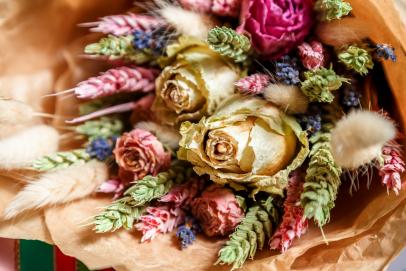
{"x": 139, "y": 153}
{"x": 312, "y": 55}
{"x": 203, "y": 6}
{"x": 161, "y": 219}
{"x": 226, "y": 7}
{"x": 217, "y": 210}
{"x": 182, "y": 195}
{"x": 115, "y": 186}
{"x": 392, "y": 168}
{"x": 294, "y": 224}
{"x": 253, "y": 84}
{"x": 276, "y": 26}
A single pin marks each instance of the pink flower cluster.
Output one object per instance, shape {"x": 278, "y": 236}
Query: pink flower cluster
{"x": 293, "y": 223}
{"x": 218, "y": 7}
{"x": 311, "y": 55}
{"x": 124, "y": 24}
{"x": 393, "y": 167}
{"x": 139, "y": 153}
{"x": 117, "y": 80}
{"x": 253, "y": 84}
{"x": 160, "y": 219}
{"x": 218, "y": 211}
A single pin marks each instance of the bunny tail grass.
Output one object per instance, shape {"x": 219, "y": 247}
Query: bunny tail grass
{"x": 287, "y": 97}
{"x": 14, "y": 117}
{"x": 167, "y": 135}
{"x": 59, "y": 186}
{"x": 359, "y": 137}
{"x": 21, "y": 149}
{"x": 186, "y": 22}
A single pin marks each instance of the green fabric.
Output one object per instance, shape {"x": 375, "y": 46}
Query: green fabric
{"x": 119, "y": 48}
{"x": 61, "y": 160}
{"x": 250, "y": 235}
{"x": 81, "y": 267}
{"x": 229, "y": 43}
{"x": 36, "y": 255}
{"x": 357, "y": 59}
{"x": 332, "y": 9}
{"x": 320, "y": 83}
{"x": 322, "y": 179}
{"x": 104, "y": 127}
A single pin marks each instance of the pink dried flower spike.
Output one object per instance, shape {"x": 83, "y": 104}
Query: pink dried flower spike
{"x": 117, "y": 80}
{"x": 124, "y": 24}
{"x": 392, "y": 168}
{"x": 293, "y": 223}
{"x": 311, "y": 55}
{"x": 161, "y": 219}
{"x": 182, "y": 195}
{"x": 253, "y": 84}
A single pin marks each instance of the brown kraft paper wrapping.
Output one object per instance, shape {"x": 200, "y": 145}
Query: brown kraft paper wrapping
{"x": 40, "y": 48}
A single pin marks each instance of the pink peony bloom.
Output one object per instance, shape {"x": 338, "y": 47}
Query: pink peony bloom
{"x": 217, "y": 210}
{"x": 161, "y": 219}
{"x": 276, "y": 26}
{"x": 139, "y": 153}
{"x": 392, "y": 168}
{"x": 311, "y": 55}
{"x": 182, "y": 195}
{"x": 293, "y": 223}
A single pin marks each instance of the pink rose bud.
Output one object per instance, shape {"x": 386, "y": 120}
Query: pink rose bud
{"x": 139, "y": 153}
{"x": 217, "y": 210}
{"x": 276, "y": 27}
{"x": 311, "y": 55}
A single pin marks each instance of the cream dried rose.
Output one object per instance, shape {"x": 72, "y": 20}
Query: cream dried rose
{"x": 248, "y": 142}
{"x": 193, "y": 83}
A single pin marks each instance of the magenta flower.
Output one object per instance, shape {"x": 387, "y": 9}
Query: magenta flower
{"x": 139, "y": 153}
{"x": 293, "y": 223}
{"x": 217, "y": 210}
{"x": 392, "y": 168}
{"x": 161, "y": 219}
{"x": 276, "y": 26}
{"x": 311, "y": 55}
{"x": 183, "y": 194}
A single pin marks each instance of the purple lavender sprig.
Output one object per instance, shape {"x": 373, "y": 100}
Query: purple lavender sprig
{"x": 186, "y": 233}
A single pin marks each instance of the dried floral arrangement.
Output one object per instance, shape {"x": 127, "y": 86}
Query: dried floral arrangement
{"x": 219, "y": 117}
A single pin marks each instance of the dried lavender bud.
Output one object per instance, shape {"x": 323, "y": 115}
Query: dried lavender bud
{"x": 351, "y": 98}
{"x": 311, "y": 123}
{"x": 286, "y": 70}
{"x": 385, "y": 51}
{"x": 101, "y": 148}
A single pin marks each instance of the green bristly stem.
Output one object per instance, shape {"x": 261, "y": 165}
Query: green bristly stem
{"x": 229, "y": 43}
{"x": 119, "y": 48}
{"x": 127, "y": 210}
{"x": 256, "y": 227}
{"x": 105, "y": 127}
{"x": 322, "y": 179}
{"x": 61, "y": 160}
{"x": 332, "y": 9}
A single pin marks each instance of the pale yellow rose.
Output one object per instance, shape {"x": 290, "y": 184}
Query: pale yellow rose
{"x": 193, "y": 83}
{"x": 247, "y": 143}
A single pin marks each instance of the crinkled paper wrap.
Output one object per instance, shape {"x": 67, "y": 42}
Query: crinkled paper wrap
{"x": 39, "y": 48}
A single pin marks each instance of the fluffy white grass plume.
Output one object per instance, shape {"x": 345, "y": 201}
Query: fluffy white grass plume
{"x": 186, "y": 22}
{"x": 14, "y": 116}
{"x": 21, "y": 149}
{"x": 358, "y": 138}
{"x": 167, "y": 135}
{"x": 342, "y": 32}
{"x": 59, "y": 186}
{"x": 288, "y": 98}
